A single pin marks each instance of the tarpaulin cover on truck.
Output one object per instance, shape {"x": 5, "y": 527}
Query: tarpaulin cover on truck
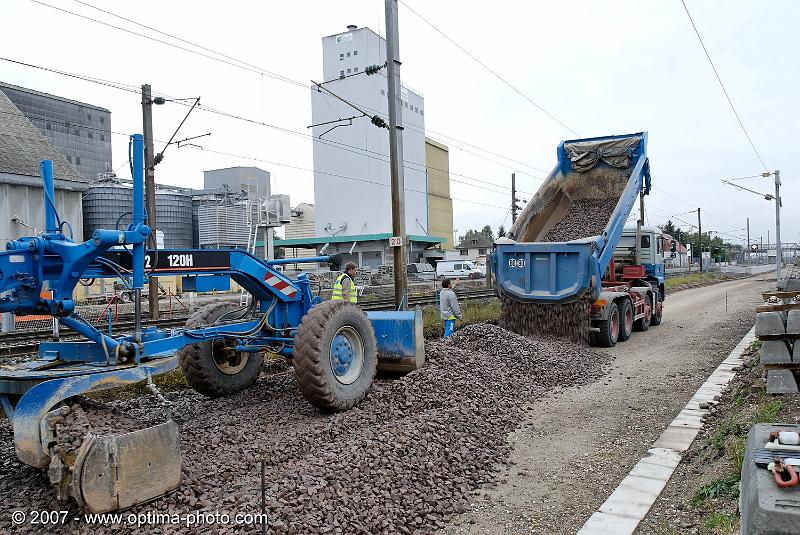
{"x": 614, "y": 152}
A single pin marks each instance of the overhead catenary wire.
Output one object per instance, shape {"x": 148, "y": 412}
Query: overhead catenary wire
{"x": 695, "y": 206}
{"x": 343, "y": 146}
{"x": 325, "y": 173}
{"x": 167, "y": 43}
{"x": 722, "y": 85}
{"x": 225, "y": 59}
{"x": 691, "y": 225}
{"x": 261, "y": 70}
{"x": 336, "y": 175}
{"x": 133, "y": 89}
{"x": 489, "y": 69}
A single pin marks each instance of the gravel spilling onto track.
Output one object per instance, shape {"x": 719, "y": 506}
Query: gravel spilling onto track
{"x": 404, "y": 461}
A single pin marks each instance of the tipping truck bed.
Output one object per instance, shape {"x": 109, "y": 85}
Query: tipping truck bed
{"x": 563, "y": 242}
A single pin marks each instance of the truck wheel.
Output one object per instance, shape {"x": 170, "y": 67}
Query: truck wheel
{"x": 335, "y": 355}
{"x": 625, "y": 319}
{"x": 658, "y": 311}
{"x": 214, "y": 368}
{"x": 125, "y": 297}
{"x": 609, "y": 329}
{"x": 643, "y": 324}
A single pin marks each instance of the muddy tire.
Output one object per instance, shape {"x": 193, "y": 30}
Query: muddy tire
{"x": 643, "y": 324}
{"x": 609, "y": 329}
{"x": 625, "y": 319}
{"x": 335, "y": 355}
{"x": 213, "y": 368}
{"x": 658, "y": 311}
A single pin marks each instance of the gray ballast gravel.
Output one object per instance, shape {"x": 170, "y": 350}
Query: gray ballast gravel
{"x": 405, "y": 460}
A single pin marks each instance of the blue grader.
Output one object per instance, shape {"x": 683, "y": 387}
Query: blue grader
{"x": 334, "y": 347}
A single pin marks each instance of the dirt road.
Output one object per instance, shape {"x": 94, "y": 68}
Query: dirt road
{"x": 577, "y": 444}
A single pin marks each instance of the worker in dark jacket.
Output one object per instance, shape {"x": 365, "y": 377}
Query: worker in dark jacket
{"x": 344, "y": 289}
{"x": 449, "y": 307}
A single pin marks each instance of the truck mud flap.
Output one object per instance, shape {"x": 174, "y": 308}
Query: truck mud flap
{"x": 119, "y": 471}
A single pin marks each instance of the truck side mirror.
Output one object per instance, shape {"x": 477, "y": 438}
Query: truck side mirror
{"x": 673, "y": 246}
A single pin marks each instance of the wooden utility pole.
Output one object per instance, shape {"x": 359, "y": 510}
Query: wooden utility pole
{"x": 396, "y": 154}
{"x": 150, "y": 186}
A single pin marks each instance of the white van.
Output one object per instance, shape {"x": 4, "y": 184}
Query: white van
{"x": 461, "y": 269}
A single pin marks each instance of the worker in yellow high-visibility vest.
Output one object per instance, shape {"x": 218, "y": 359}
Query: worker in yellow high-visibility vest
{"x": 344, "y": 289}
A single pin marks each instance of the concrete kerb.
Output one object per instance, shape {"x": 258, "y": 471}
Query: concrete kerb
{"x": 627, "y": 506}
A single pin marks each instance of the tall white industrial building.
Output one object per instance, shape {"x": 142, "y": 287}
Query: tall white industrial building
{"x": 351, "y": 163}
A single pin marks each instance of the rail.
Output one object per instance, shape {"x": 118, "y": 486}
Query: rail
{"x": 19, "y": 344}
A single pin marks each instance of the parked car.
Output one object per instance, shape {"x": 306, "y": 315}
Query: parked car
{"x": 420, "y": 271}
{"x": 462, "y": 269}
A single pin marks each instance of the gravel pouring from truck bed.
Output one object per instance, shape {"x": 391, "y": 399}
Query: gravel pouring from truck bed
{"x": 583, "y": 219}
{"x": 404, "y": 461}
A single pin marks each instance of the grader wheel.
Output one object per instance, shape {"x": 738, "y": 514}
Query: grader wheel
{"x": 335, "y": 355}
{"x": 214, "y": 368}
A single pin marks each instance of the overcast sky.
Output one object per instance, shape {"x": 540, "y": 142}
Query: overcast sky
{"x": 599, "y": 67}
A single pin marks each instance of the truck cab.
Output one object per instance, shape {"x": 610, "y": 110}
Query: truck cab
{"x": 652, "y": 254}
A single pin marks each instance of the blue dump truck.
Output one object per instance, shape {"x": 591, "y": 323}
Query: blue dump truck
{"x": 571, "y": 242}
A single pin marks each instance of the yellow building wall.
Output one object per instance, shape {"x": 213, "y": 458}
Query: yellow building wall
{"x": 440, "y": 205}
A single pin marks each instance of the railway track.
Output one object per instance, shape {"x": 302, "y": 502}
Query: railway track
{"x": 21, "y": 343}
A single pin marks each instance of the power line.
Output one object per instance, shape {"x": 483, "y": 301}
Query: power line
{"x": 426, "y": 132}
{"x": 300, "y": 168}
{"x": 201, "y": 47}
{"x": 235, "y": 62}
{"x": 337, "y": 175}
{"x": 335, "y": 144}
{"x": 100, "y": 81}
{"x": 280, "y": 164}
{"x": 727, "y": 96}
{"x": 695, "y": 206}
{"x": 167, "y": 43}
{"x": 691, "y": 225}
{"x": 489, "y": 69}
{"x": 490, "y": 152}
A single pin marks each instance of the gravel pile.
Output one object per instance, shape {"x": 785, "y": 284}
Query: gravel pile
{"x": 585, "y": 218}
{"x": 404, "y": 461}
{"x": 95, "y": 418}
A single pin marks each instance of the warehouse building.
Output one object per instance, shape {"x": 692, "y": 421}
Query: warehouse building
{"x": 79, "y": 131}
{"x": 22, "y": 148}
